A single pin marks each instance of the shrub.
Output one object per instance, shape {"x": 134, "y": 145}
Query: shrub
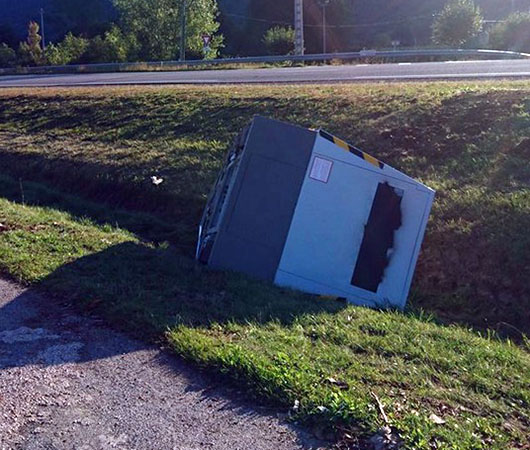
{"x": 113, "y": 47}
{"x": 96, "y": 51}
{"x": 279, "y": 40}
{"x": 120, "y": 47}
{"x": 54, "y": 56}
{"x": 7, "y": 56}
{"x": 70, "y": 50}
{"x": 512, "y": 34}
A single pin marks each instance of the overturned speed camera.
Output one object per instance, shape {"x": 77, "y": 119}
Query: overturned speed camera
{"x": 303, "y": 209}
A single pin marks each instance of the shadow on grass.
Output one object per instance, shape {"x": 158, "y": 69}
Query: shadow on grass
{"x": 463, "y": 287}
{"x": 150, "y": 116}
{"x": 146, "y": 290}
{"x": 178, "y": 228}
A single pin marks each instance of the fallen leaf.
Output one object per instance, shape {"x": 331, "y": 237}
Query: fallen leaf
{"x": 436, "y": 419}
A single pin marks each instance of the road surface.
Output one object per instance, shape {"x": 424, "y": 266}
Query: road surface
{"x": 67, "y": 381}
{"x": 319, "y": 74}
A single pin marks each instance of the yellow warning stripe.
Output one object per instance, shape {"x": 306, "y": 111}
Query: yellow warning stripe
{"x": 345, "y": 146}
{"x": 341, "y": 143}
{"x": 370, "y": 159}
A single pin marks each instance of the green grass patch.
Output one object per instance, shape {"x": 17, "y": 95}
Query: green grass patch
{"x": 284, "y": 346}
{"x": 467, "y": 140}
{"x": 80, "y": 218}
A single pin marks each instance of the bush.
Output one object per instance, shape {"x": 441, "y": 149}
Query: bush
{"x": 70, "y": 50}
{"x": 7, "y": 56}
{"x": 96, "y": 51}
{"x": 512, "y": 34}
{"x": 119, "y": 47}
{"x": 54, "y": 56}
{"x": 279, "y": 40}
{"x": 114, "y": 46}
{"x": 460, "y": 21}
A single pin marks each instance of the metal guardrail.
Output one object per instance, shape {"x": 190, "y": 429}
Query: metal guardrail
{"x": 364, "y": 54}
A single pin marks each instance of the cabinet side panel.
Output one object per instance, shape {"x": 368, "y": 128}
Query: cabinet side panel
{"x": 261, "y": 207}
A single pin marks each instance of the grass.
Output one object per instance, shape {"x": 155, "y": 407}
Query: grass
{"x": 468, "y": 141}
{"x": 143, "y": 67}
{"x": 94, "y": 228}
{"x": 284, "y": 346}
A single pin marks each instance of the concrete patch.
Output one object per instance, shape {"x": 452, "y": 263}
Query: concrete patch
{"x": 61, "y": 354}
{"x": 25, "y": 334}
{"x": 124, "y": 395}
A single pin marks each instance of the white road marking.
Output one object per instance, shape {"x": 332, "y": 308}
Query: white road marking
{"x": 444, "y": 75}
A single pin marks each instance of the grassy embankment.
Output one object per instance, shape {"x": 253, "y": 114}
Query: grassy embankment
{"x": 125, "y": 249}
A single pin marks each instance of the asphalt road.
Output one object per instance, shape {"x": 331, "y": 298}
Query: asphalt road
{"x": 319, "y": 74}
{"x": 69, "y": 382}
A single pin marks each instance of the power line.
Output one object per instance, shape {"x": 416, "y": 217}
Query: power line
{"x": 309, "y": 25}
{"x": 255, "y": 19}
{"x": 373, "y": 24}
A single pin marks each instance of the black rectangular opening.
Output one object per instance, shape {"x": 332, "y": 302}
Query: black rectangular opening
{"x": 384, "y": 220}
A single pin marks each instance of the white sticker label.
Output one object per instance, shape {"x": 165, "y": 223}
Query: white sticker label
{"x": 321, "y": 169}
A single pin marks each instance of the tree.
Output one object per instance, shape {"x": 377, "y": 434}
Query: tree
{"x": 279, "y": 40}
{"x": 70, "y": 50}
{"x": 7, "y": 55}
{"x": 512, "y": 34}
{"x": 156, "y": 25}
{"x": 458, "y": 22}
{"x": 30, "y": 51}
{"x": 121, "y": 47}
{"x": 115, "y": 46}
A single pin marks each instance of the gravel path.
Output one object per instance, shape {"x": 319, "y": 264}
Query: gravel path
{"x": 68, "y": 382}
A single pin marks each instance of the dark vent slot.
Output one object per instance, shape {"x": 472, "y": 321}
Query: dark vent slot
{"x": 385, "y": 219}
{"x": 206, "y": 250}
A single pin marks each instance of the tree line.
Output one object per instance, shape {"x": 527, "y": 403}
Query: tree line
{"x": 150, "y": 30}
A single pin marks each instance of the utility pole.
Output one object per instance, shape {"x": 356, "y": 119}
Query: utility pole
{"x": 42, "y": 29}
{"x": 323, "y": 4}
{"x": 299, "y": 27}
{"x": 183, "y": 30}
{"x": 324, "y": 29}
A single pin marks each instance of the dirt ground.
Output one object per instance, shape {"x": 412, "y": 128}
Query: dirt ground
{"x": 69, "y": 382}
